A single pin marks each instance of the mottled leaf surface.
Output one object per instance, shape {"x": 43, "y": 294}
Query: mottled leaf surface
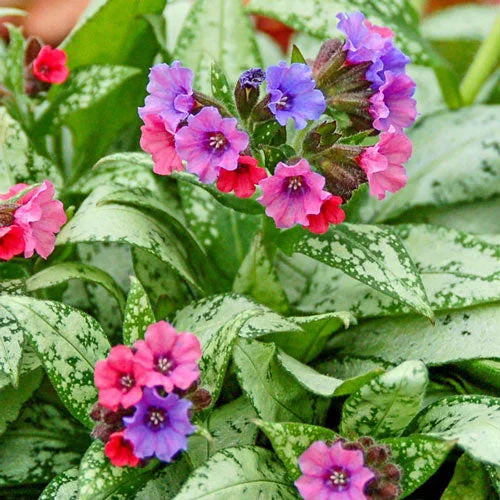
{"x": 63, "y": 487}
{"x": 138, "y": 313}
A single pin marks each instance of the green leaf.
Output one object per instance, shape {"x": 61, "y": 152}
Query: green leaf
{"x": 371, "y": 254}
{"x": 207, "y": 30}
{"x": 12, "y": 399}
{"x": 473, "y": 421}
{"x": 6, "y": 11}
{"x": 63, "y": 487}
{"x": 419, "y": 456}
{"x": 257, "y": 278}
{"x": 99, "y": 479}
{"x": 49, "y": 442}
{"x": 242, "y": 472}
{"x": 221, "y": 89}
{"x": 297, "y": 56}
{"x": 126, "y": 225}
{"x": 274, "y": 393}
{"x": 138, "y": 313}
{"x": 494, "y": 473}
{"x": 469, "y": 480}
{"x": 455, "y": 160}
{"x": 290, "y": 440}
{"x": 14, "y": 67}
{"x": 69, "y": 343}
{"x": 20, "y": 162}
{"x": 455, "y": 336}
{"x": 61, "y": 273}
{"x": 387, "y": 404}
{"x": 86, "y": 86}
{"x": 461, "y": 271}
{"x": 318, "y": 18}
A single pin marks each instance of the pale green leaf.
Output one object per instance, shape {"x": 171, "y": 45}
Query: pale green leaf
{"x": 138, "y": 313}
{"x": 63, "y": 487}
{"x": 473, "y": 421}
{"x": 221, "y": 89}
{"x": 12, "y": 333}
{"x": 386, "y": 405}
{"x": 242, "y": 472}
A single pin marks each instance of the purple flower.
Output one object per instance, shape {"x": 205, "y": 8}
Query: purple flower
{"x": 333, "y": 473}
{"x": 171, "y": 94}
{"x": 252, "y": 78}
{"x": 210, "y": 142}
{"x": 160, "y": 426}
{"x": 292, "y": 194}
{"x": 293, "y": 94}
{"x": 393, "y": 103}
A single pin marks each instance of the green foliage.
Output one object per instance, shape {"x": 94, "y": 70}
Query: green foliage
{"x": 138, "y": 313}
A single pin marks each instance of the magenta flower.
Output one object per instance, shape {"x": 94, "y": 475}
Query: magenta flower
{"x": 39, "y": 215}
{"x": 293, "y": 193}
{"x": 169, "y": 358}
{"x": 383, "y": 163}
{"x": 158, "y": 140}
{"x": 210, "y": 142}
{"x": 160, "y": 426}
{"x": 332, "y": 473}
{"x": 393, "y": 103}
{"x": 116, "y": 378}
{"x": 293, "y": 94}
{"x": 171, "y": 94}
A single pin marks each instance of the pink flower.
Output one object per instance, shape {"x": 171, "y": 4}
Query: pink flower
{"x": 50, "y": 65}
{"x": 116, "y": 378}
{"x": 210, "y": 142}
{"x": 332, "y": 473}
{"x": 393, "y": 104}
{"x": 168, "y": 358}
{"x": 120, "y": 451}
{"x": 158, "y": 140}
{"x": 40, "y": 217}
{"x": 383, "y": 163}
{"x": 242, "y": 180}
{"x": 330, "y": 213}
{"x": 11, "y": 241}
{"x": 292, "y": 194}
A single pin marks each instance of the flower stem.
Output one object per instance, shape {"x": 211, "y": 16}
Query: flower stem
{"x": 482, "y": 66}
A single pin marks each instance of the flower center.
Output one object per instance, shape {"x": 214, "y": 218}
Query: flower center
{"x": 156, "y": 418}
{"x": 217, "y": 140}
{"x": 283, "y": 102}
{"x": 44, "y": 69}
{"x": 164, "y": 365}
{"x": 295, "y": 183}
{"x": 339, "y": 479}
{"x": 127, "y": 382}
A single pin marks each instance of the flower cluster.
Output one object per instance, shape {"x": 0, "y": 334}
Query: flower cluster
{"x": 346, "y": 470}
{"x": 363, "y": 77}
{"x": 146, "y": 395}
{"x": 29, "y": 219}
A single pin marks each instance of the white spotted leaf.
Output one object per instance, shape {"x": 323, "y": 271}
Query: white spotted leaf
{"x": 63, "y": 487}
{"x": 385, "y": 406}
{"x": 138, "y": 313}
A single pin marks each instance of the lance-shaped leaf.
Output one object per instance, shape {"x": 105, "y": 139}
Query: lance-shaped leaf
{"x": 221, "y": 89}
{"x": 274, "y": 393}
{"x": 374, "y": 255}
{"x": 138, "y": 313}
{"x": 318, "y": 18}
{"x": 99, "y": 479}
{"x": 457, "y": 335}
{"x": 20, "y": 162}
{"x": 419, "y": 456}
{"x": 64, "y": 485}
{"x": 290, "y": 440}
{"x": 240, "y": 472}
{"x": 473, "y": 421}
{"x": 126, "y": 225}
{"x": 69, "y": 343}
{"x": 386, "y": 405}
{"x": 61, "y": 273}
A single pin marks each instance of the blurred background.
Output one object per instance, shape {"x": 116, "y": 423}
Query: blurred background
{"x": 52, "y": 20}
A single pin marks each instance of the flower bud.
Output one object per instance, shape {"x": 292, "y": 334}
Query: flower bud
{"x": 247, "y": 91}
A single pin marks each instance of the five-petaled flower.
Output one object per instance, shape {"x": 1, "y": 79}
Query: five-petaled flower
{"x": 169, "y": 359}
{"x": 293, "y": 193}
{"x": 242, "y": 180}
{"x": 210, "y": 142}
{"x": 50, "y": 65}
{"x": 332, "y": 472}
{"x": 159, "y": 426}
{"x": 293, "y": 94}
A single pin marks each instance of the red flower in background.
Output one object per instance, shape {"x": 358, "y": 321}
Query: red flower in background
{"x": 50, "y": 65}
{"x": 242, "y": 180}
{"x": 330, "y": 213}
{"x": 120, "y": 451}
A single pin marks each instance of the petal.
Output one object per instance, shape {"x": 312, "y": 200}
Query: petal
{"x": 316, "y": 461}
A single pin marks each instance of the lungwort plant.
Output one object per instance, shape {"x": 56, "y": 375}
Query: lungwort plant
{"x": 229, "y": 272}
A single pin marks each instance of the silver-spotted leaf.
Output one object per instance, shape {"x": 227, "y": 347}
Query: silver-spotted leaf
{"x": 138, "y": 313}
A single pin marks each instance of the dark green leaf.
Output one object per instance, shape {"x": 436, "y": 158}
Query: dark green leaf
{"x": 221, "y": 89}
